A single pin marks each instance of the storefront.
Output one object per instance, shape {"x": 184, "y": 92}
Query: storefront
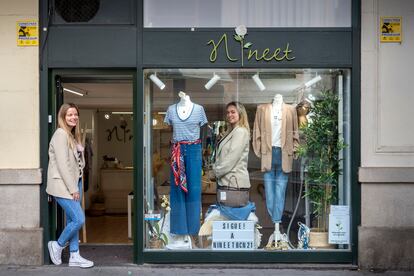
{"x": 306, "y": 55}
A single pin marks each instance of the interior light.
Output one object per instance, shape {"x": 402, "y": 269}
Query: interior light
{"x": 107, "y": 116}
{"x": 157, "y": 81}
{"x": 258, "y": 82}
{"x": 122, "y": 112}
{"x": 73, "y": 92}
{"x": 212, "y": 81}
{"x": 312, "y": 81}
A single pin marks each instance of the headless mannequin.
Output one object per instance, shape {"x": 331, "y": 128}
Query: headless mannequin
{"x": 184, "y": 110}
{"x": 184, "y": 106}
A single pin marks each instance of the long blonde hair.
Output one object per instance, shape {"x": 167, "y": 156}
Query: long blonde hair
{"x": 73, "y": 133}
{"x": 243, "y": 119}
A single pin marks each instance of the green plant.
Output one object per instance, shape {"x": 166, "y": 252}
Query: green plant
{"x": 156, "y": 232}
{"x": 321, "y": 151}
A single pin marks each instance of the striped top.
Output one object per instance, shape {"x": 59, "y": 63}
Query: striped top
{"x": 188, "y": 129}
{"x": 80, "y": 163}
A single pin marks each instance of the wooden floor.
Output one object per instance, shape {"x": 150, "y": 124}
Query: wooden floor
{"x": 108, "y": 229}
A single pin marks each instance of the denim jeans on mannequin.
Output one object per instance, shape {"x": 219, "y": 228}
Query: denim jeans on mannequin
{"x": 186, "y": 207}
{"x": 75, "y": 218}
{"x": 275, "y": 182}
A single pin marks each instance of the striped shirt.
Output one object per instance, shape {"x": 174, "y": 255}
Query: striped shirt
{"x": 188, "y": 129}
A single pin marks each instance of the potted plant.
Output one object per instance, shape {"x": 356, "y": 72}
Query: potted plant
{"x": 158, "y": 239}
{"x": 320, "y": 149}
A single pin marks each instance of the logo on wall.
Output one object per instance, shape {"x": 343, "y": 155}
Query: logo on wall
{"x": 125, "y": 132}
{"x": 247, "y": 50}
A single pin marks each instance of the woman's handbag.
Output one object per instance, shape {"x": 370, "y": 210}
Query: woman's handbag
{"x": 232, "y": 196}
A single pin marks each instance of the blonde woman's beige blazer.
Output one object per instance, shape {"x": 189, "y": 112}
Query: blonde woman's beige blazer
{"x": 63, "y": 171}
{"x": 230, "y": 167}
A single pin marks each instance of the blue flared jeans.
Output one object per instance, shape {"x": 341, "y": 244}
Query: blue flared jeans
{"x": 75, "y": 218}
{"x": 275, "y": 182}
{"x": 186, "y": 206}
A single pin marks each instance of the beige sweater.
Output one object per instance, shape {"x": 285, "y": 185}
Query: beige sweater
{"x": 262, "y": 136}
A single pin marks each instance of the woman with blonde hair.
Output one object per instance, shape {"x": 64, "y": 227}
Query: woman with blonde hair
{"x": 64, "y": 183}
{"x": 230, "y": 166}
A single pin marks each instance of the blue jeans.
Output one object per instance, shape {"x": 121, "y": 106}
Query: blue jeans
{"x": 186, "y": 207}
{"x": 275, "y": 182}
{"x": 75, "y": 218}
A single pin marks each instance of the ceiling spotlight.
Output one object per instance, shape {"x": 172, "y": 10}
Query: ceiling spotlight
{"x": 73, "y": 92}
{"x": 157, "y": 81}
{"x": 312, "y": 81}
{"x": 212, "y": 81}
{"x": 107, "y": 116}
{"x": 258, "y": 82}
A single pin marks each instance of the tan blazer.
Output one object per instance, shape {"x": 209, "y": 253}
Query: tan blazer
{"x": 262, "y": 136}
{"x": 63, "y": 170}
{"x": 231, "y": 159}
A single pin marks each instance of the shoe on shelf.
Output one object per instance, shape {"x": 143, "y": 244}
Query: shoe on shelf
{"x": 55, "y": 252}
{"x": 76, "y": 259}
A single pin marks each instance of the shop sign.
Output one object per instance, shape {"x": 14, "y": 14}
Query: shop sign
{"x": 247, "y": 49}
{"x": 27, "y": 33}
{"x": 233, "y": 235}
{"x": 391, "y": 29}
{"x": 339, "y": 224}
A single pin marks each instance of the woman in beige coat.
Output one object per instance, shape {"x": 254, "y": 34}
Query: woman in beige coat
{"x": 230, "y": 166}
{"x": 64, "y": 183}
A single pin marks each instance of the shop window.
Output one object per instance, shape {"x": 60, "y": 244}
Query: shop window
{"x": 260, "y": 173}
{"x": 258, "y": 13}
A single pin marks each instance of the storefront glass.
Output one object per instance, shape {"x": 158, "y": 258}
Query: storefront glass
{"x": 256, "y": 175}
{"x": 258, "y": 13}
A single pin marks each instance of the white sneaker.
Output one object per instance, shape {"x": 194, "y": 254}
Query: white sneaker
{"x": 55, "y": 252}
{"x": 77, "y": 260}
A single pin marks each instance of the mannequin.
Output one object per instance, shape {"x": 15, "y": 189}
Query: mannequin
{"x": 275, "y": 138}
{"x": 184, "y": 106}
{"x": 186, "y": 118}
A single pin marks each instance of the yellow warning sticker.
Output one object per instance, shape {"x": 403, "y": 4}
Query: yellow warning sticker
{"x": 391, "y": 29}
{"x": 27, "y": 33}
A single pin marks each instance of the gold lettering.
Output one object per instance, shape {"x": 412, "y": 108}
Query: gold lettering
{"x": 251, "y": 53}
{"x": 265, "y": 52}
{"x": 213, "y": 54}
{"x": 287, "y": 52}
{"x": 277, "y": 55}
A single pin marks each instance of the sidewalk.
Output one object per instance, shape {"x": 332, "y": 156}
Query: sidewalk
{"x": 193, "y": 269}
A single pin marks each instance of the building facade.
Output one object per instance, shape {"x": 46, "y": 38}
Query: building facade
{"x": 295, "y": 54}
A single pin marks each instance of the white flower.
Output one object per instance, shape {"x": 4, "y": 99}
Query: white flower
{"x": 168, "y": 208}
{"x": 163, "y": 205}
{"x": 241, "y": 30}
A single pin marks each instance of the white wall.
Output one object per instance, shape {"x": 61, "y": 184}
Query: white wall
{"x": 387, "y": 93}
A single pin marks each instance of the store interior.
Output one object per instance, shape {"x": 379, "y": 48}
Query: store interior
{"x": 106, "y": 120}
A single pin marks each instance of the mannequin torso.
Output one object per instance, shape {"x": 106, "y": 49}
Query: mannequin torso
{"x": 184, "y": 106}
